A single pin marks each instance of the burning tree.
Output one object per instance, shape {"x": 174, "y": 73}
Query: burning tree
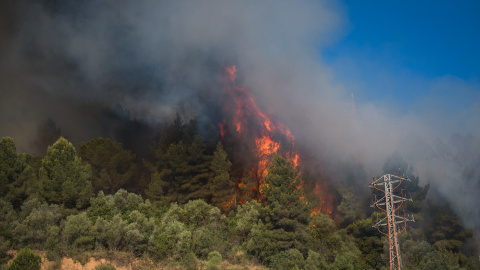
{"x": 256, "y": 138}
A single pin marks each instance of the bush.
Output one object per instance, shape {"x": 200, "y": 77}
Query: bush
{"x": 289, "y": 259}
{"x": 105, "y": 267}
{"x": 4, "y": 246}
{"x": 214, "y": 260}
{"x": 26, "y": 260}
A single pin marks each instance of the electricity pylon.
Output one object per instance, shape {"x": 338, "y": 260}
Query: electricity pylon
{"x": 390, "y": 203}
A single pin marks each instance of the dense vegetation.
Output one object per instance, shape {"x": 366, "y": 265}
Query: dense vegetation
{"x": 175, "y": 208}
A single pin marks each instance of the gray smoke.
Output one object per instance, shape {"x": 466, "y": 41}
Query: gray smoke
{"x": 90, "y": 66}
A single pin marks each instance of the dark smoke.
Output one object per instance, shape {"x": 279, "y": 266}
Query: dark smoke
{"x": 47, "y": 134}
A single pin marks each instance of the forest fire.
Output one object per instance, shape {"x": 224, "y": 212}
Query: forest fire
{"x": 264, "y": 137}
{"x": 325, "y": 205}
{"x": 250, "y": 123}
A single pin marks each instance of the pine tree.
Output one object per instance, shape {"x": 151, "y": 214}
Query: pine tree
{"x": 112, "y": 166}
{"x": 17, "y": 178}
{"x": 181, "y": 173}
{"x": 222, "y": 187}
{"x": 65, "y": 179}
{"x": 283, "y": 195}
{"x": 8, "y": 162}
{"x": 285, "y": 217}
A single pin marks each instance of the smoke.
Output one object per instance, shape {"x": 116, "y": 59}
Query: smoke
{"x": 118, "y": 68}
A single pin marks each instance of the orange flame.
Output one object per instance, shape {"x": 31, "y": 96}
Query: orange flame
{"x": 326, "y": 200}
{"x": 249, "y": 120}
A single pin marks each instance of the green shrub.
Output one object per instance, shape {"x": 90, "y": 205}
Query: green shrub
{"x": 26, "y": 260}
{"x": 4, "y": 246}
{"x": 105, "y": 267}
{"x": 289, "y": 259}
{"x": 84, "y": 243}
{"x": 214, "y": 260}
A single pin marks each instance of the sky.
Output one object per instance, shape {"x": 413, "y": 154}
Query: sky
{"x": 416, "y": 63}
{"x": 398, "y": 50}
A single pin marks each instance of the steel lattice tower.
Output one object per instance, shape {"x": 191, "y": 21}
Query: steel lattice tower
{"x": 390, "y": 204}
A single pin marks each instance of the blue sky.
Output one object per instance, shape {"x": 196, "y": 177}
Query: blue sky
{"x": 406, "y": 51}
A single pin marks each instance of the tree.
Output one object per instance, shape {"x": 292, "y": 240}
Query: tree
{"x": 222, "y": 187}
{"x": 33, "y": 231}
{"x": 172, "y": 239}
{"x": 65, "y": 179}
{"x": 191, "y": 231}
{"x": 368, "y": 241}
{"x": 26, "y": 260}
{"x": 8, "y": 162}
{"x": 283, "y": 195}
{"x": 288, "y": 259}
{"x": 247, "y": 217}
{"x": 17, "y": 177}
{"x": 181, "y": 173}
{"x": 437, "y": 260}
{"x": 78, "y": 232}
{"x": 214, "y": 260}
{"x": 112, "y": 166}
{"x": 208, "y": 226}
{"x": 172, "y": 133}
{"x": 286, "y": 215}
{"x": 111, "y": 234}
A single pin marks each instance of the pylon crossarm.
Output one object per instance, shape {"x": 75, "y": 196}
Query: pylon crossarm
{"x": 375, "y": 185}
{"x": 399, "y": 183}
{"x": 379, "y": 222}
{"x": 380, "y": 201}
{"x": 409, "y": 217}
{"x": 404, "y": 224}
{"x": 398, "y": 219}
{"x": 376, "y": 203}
{"x": 378, "y": 228}
{"x": 401, "y": 203}
{"x": 397, "y": 199}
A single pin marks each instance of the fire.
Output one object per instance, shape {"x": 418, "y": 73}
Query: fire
{"x": 221, "y": 127}
{"x": 249, "y": 121}
{"x": 326, "y": 203}
{"x": 263, "y": 137}
{"x": 265, "y": 149}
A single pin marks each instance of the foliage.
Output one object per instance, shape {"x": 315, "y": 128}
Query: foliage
{"x": 105, "y": 267}
{"x": 4, "y": 246}
{"x": 47, "y": 203}
{"x": 182, "y": 172}
{"x": 439, "y": 261}
{"x": 222, "y": 187}
{"x": 34, "y": 229}
{"x": 288, "y": 259}
{"x": 246, "y": 218}
{"x": 112, "y": 166}
{"x": 214, "y": 260}
{"x": 285, "y": 217}
{"x": 197, "y": 227}
{"x": 17, "y": 177}
{"x": 65, "y": 179}
{"x": 315, "y": 261}
{"x": 26, "y": 260}
{"x": 77, "y": 233}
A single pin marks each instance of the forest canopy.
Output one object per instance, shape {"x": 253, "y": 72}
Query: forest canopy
{"x": 181, "y": 205}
